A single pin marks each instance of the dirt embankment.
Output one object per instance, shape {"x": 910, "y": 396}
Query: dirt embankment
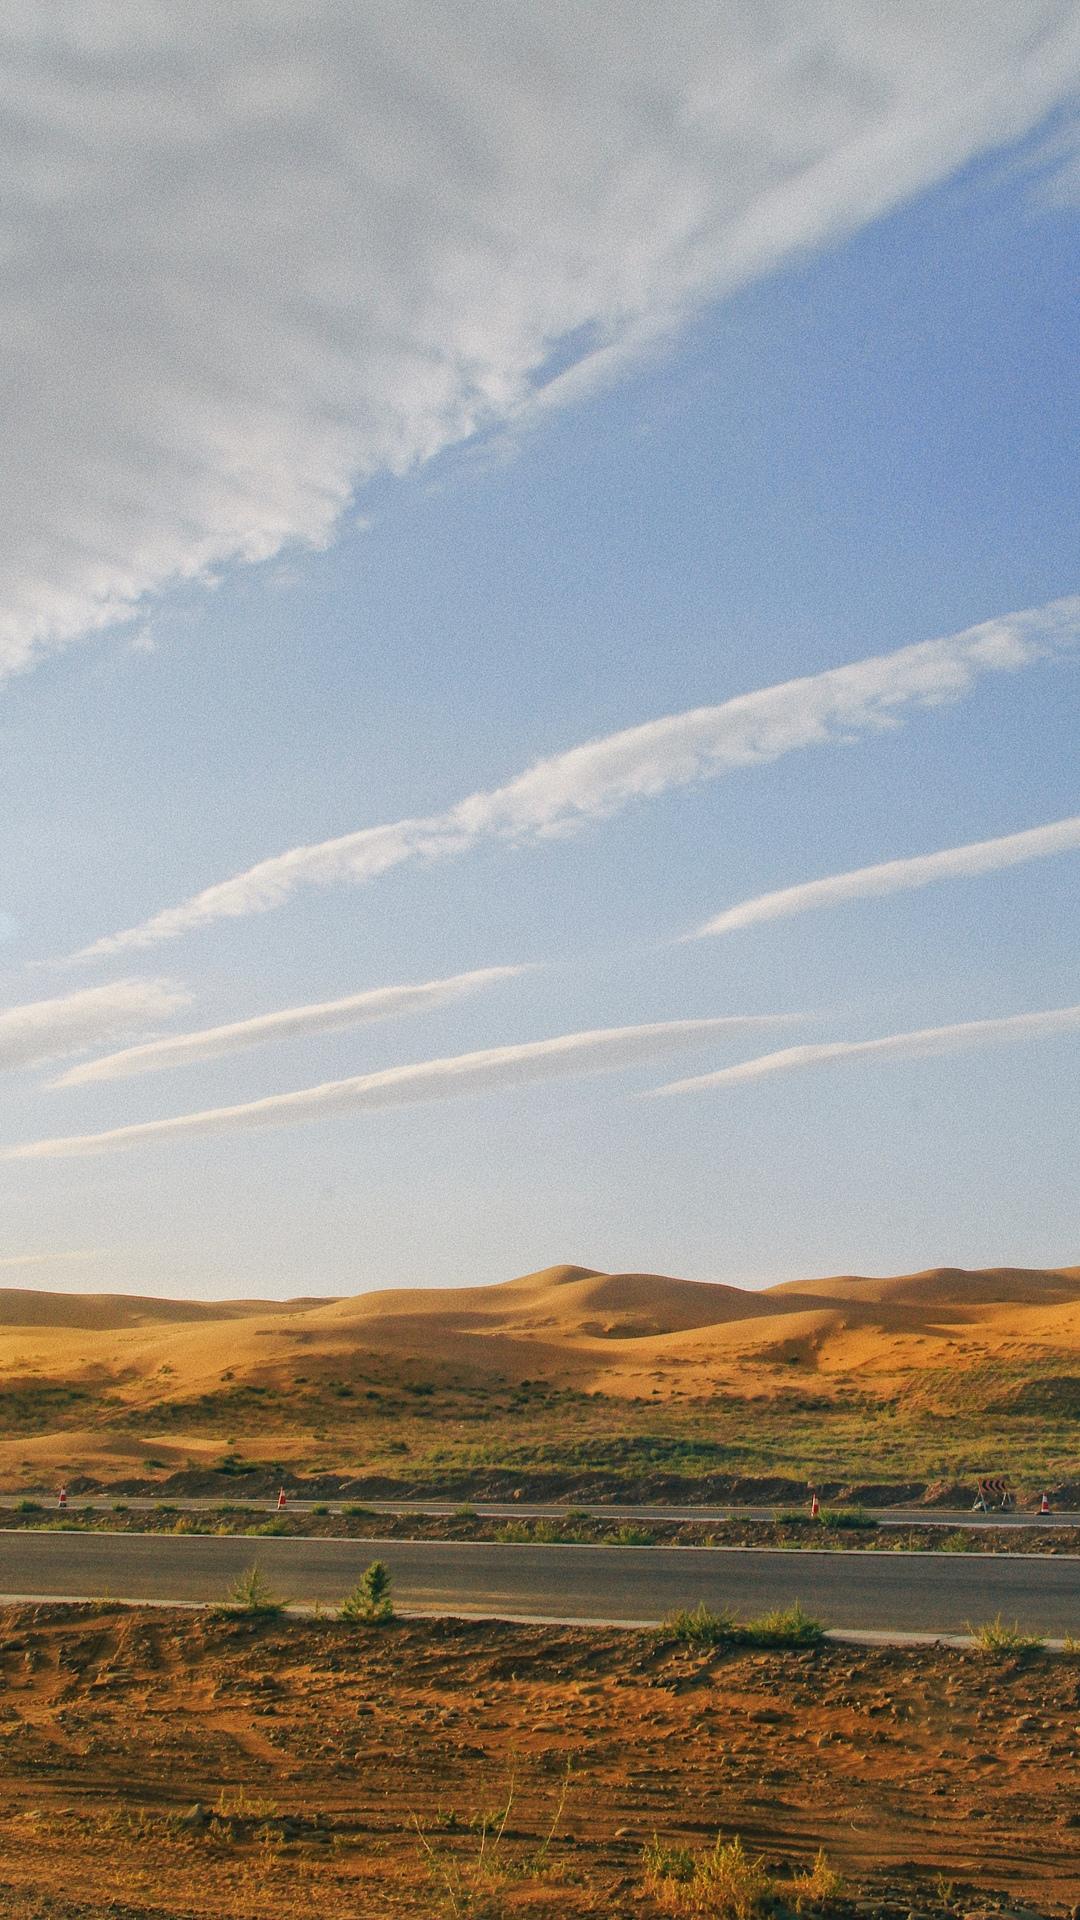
{"x": 157, "y": 1765}
{"x": 713, "y": 1489}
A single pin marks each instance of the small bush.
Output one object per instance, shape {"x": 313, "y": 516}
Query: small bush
{"x": 464, "y": 1512}
{"x": 321, "y": 1510}
{"x": 267, "y": 1529}
{"x": 631, "y": 1535}
{"x": 997, "y": 1637}
{"x": 370, "y": 1598}
{"x": 250, "y": 1594}
{"x": 783, "y": 1627}
{"x": 958, "y": 1542}
{"x": 29, "y": 1506}
{"x": 698, "y": 1626}
{"x": 359, "y": 1513}
{"x": 849, "y": 1517}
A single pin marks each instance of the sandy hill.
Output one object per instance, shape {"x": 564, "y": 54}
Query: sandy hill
{"x": 947, "y": 1287}
{"x": 627, "y": 1333}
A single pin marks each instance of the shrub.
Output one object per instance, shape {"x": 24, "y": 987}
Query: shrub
{"x": 958, "y": 1542}
{"x": 28, "y": 1506}
{"x": 997, "y": 1637}
{"x": 267, "y": 1529}
{"x": 359, "y": 1513}
{"x": 370, "y": 1598}
{"x": 631, "y": 1535}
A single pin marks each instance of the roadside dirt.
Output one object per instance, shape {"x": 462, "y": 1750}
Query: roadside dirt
{"x": 836, "y": 1532}
{"x": 162, "y": 1765}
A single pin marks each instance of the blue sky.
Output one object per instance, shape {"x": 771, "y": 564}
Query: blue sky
{"x": 334, "y": 602}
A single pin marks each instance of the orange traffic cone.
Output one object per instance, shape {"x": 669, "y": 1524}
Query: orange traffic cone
{"x": 61, "y": 1498}
{"x": 815, "y": 1507}
{"x": 1044, "y": 1505}
{"x": 281, "y": 1499}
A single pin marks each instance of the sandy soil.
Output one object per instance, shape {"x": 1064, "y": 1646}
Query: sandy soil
{"x": 159, "y": 1765}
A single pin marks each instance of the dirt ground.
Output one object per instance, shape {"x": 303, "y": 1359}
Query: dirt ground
{"x": 169, "y": 1765}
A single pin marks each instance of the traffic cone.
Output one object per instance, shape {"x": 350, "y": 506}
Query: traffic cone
{"x": 281, "y": 1499}
{"x": 61, "y": 1498}
{"x": 815, "y": 1507}
{"x": 1044, "y": 1505}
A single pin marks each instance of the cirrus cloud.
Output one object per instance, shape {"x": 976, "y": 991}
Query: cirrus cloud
{"x": 328, "y": 1016}
{"x": 599, "y": 778}
{"x": 926, "y": 1043}
{"x": 606, "y": 1050}
{"x": 47, "y": 1029}
{"x": 255, "y": 256}
{"x": 899, "y": 876}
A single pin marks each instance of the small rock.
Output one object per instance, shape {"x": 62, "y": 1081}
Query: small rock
{"x": 195, "y": 1816}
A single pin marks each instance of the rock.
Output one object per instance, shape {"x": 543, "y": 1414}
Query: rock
{"x": 195, "y": 1816}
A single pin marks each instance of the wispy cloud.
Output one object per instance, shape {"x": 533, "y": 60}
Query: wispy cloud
{"x": 921, "y": 1045}
{"x": 899, "y": 876}
{"x": 607, "y": 1050}
{"x": 48, "y": 1029}
{"x": 599, "y": 778}
{"x": 379, "y": 1003}
{"x": 11, "y": 1260}
{"x": 363, "y": 234}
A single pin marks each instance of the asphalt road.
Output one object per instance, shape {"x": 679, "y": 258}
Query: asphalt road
{"x": 907, "y": 1592}
{"x": 555, "y": 1510}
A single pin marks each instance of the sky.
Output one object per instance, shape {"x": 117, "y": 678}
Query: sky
{"x": 539, "y": 642}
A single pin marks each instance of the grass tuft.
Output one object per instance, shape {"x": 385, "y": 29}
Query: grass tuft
{"x": 999, "y": 1638}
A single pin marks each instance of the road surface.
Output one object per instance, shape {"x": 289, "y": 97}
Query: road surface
{"x": 877, "y": 1591}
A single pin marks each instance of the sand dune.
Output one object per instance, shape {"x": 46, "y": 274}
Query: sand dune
{"x": 625, "y": 1332}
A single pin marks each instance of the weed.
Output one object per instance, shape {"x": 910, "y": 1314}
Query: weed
{"x": 782, "y": 1627}
{"x": 847, "y": 1517}
{"x": 1071, "y": 1643}
{"x": 267, "y": 1528}
{"x": 997, "y": 1637}
{"x": 631, "y": 1535}
{"x": 726, "y": 1883}
{"x": 359, "y": 1513}
{"x": 697, "y": 1627}
{"x": 958, "y": 1542}
{"x": 370, "y": 1598}
{"x": 250, "y": 1594}
{"x": 28, "y": 1506}
{"x": 464, "y": 1512}
{"x": 665, "y": 1862}
{"x": 813, "y": 1889}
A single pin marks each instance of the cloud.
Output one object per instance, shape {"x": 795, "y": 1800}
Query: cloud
{"x": 380, "y": 1003}
{"x": 608, "y": 1050}
{"x": 362, "y": 234}
{"x": 47, "y": 1029}
{"x": 602, "y": 776}
{"x": 8, "y": 1260}
{"x": 899, "y": 876}
{"x": 925, "y": 1044}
